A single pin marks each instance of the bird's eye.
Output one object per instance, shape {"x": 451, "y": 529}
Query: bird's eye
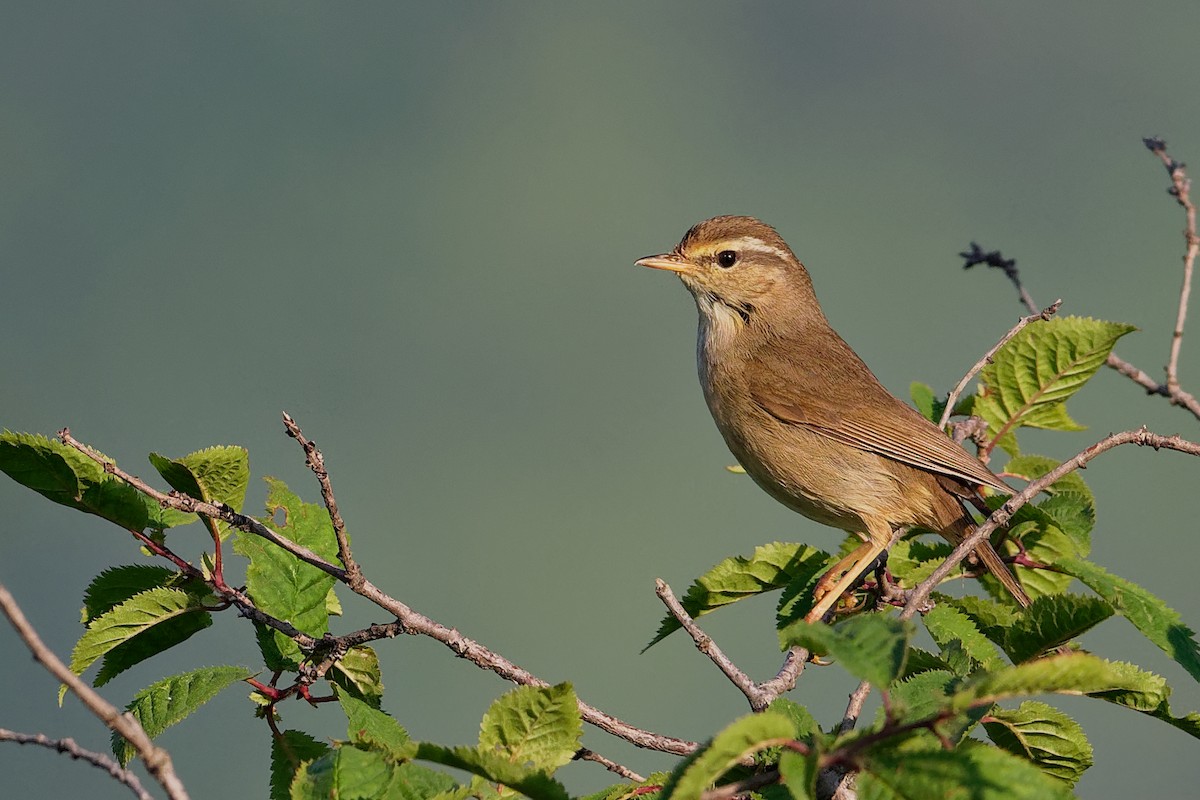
{"x": 727, "y": 258}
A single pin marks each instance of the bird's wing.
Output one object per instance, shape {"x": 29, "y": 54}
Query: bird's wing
{"x": 867, "y": 417}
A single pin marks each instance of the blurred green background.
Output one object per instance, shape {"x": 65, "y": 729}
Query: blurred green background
{"x": 413, "y": 227}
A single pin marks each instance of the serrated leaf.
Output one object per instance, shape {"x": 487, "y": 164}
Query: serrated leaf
{"x": 374, "y": 729}
{"x": 344, "y": 772}
{"x": 150, "y": 642}
{"x": 288, "y": 753}
{"x": 536, "y": 785}
{"x": 1045, "y": 543}
{"x": 533, "y": 726}
{"x": 1052, "y": 621}
{"x": 115, "y": 585}
{"x": 1031, "y": 377}
{"x": 742, "y": 738}
{"x": 127, "y": 620}
{"x": 772, "y": 566}
{"x": 1072, "y": 673}
{"x": 946, "y": 624}
{"x": 991, "y": 618}
{"x": 162, "y": 704}
{"x": 1045, "y": 736}
{"x": 971, "y": 771}
{"x": 358, "y": 673}
{"x": 278, "y": 582}
{"x": 218, "y": 474}
{"x": 920, "y": 696}
{"x": 1070, "y": 502}
{"x": 1157, "y": 621}
{"x": 869, "y": 646}
{"x": 68, "y": 477}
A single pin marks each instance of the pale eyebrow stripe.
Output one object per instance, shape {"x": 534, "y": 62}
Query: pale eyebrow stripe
{"x": 757, "y": 245}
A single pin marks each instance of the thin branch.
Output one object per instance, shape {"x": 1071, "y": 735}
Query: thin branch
{"x": 1176, "y": 396}
{"x": 785, "y": 680}
{"x": 952, "y": 398}
{"x": 854, "y": 708}
{"x": 1180, "y": 189}
{"x": 976, "y": 255}
{"x": 407, "y": 620}
{"x": 583, "y": 754}
{"x": 71, "y": 748}
{"x": 315, "y": 461}
{"x": 156, "y": 759}
{"x": 413, "y": 622}
{"x": 1002, "y": 515}
{"x": 706, "y": 645}
{"x": 192, "y": 505}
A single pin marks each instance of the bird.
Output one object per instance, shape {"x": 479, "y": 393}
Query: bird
{"x": 806, "y": 418}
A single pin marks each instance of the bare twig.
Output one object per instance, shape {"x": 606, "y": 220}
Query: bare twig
{"x": 1002, "y": 515}
{"x": 976, "y": 255}
{"x": 156, "y": 759}
{"x": 583, "y": 754}
{"x": 854, "y": 708}
{"x": 952, "y": 398}
{"x": 1180, "y": 189}
{"x": 71, "y": 748}
{"x": 315, "y": 461}
{"x": 706, "y": 645}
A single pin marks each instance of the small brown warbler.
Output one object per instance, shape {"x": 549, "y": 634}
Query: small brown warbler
{"x": 804, "y": 415}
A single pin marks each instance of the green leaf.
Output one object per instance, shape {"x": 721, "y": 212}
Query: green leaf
{"x": 649, "y": 789}
{"x": 418, "y": 782}
{"x": 946, "y": 624}
{"x": 924, "y": 399}
{"x": 1070, "y": 502}
{"x": 920, "y": 696}
{"x": 869, "y": 646}
{"x": 742, "y": 738}
{"x": 971, "y": 771}
{"x": 278, "y": 582}
{"x": 162, "y": 704}
{"x": 374, "y": 729}
{"x": 115, "y": 585}
{"x": 1052, "y": 621}
{"x": 1146, "y": 692}
{"x": 533, "y": 726}
{"x": 288, "y": 753}
{"x": 772, "y": 566}
{"x": 358, "y": 672}
{"x": 150, "y": 642}
{"x": 1045, "y": 543}
{"x": 991, "y": 618}
{"x": 68, "y": 477}
{"x": 1031, "y": 377}
{"x": 1157, "y": 621}
{"x": 1055, "y": 743}
{"x": 135, "y": 616}
{"x": 536, "y": 785}
{"x": 344, "y": 772}
{"x": 217, "y": 474}
{"x": 799, "y": 774}
{"x": 1073, "y": 673}
{"x": 805, "y": 726}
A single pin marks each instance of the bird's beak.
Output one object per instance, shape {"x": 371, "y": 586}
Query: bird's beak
{"x": 672, "y": 262}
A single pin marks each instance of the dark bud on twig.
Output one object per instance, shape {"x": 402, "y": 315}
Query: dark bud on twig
{"x": 1154, "y": 144}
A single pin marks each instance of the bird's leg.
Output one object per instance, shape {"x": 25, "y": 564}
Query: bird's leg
{"x": 854, "y": 565}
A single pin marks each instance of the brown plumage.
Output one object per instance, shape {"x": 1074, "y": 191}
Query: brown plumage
{"x": 805, "y": 416}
